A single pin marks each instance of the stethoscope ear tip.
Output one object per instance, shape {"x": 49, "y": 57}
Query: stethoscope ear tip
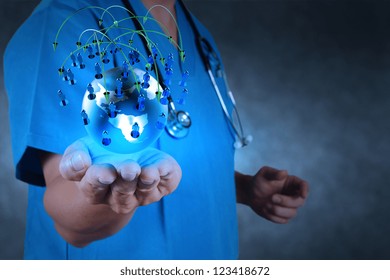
{"x": 242, "y": 142}
{"x": 238, "y": 144}
{"x": 248, "y": 139}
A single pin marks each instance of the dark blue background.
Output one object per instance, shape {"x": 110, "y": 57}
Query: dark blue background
{"x": 311, "y": 79}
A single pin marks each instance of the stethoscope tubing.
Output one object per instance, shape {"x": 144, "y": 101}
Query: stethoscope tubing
{"x": 183, "y": 129}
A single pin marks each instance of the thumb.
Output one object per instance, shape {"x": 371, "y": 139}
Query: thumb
{"x": 272, "y": 174}
{"x": 75, "y": 161}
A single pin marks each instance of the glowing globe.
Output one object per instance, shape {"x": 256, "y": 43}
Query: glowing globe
{"x": 122, "y": 112}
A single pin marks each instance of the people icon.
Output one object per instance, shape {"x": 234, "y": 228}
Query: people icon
{"x": 150, "y": 64}
{"x": 97, "y": 48}
{"x": 183, "y": 97}
{"x": 169, "y": 69}
{"x": 169, "y": 62}
{"x": 80, "y": 61}
{"x": 161, "y": 121}
{"x": 154, "y": 51}
{"x": 134, "y": 57}
{"x": 70, "y": 77}
{"x": 84, "y": 116}
{"x": 63, "y": 100}
{"x": 106, "y": 140}
{"x": 135, "y": 131}
{"x": 164, "y": 96}
{"x": 112, "y": 112}
{"x": 91, "y": 95}
{"x": 73, "y": 58}
{"x": 64, "y": 75}
{"x": 98, "y": 71}
{"x": 151, "y": 59}
{"x": 125, "y": 70}
{"x": 90, "y": 52}
{"x": 118, "y": 90}
{"x": 184, "y": 78}
{"x": 105, "y": 59}
{"x": 168, "y": 76}
{"x": 146, "y": 77}
{"x": 141, "y": 103}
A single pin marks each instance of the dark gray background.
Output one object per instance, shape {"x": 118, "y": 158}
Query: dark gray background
{"x": 311, "y": 79}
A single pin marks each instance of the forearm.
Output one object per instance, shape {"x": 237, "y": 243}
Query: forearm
{"x": 242, "y": 182}
{"x": 78, "y": 221}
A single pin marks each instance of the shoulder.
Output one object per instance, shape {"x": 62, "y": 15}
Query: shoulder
{"x": 39, "y": 30}
{"x": 203, "y": 30}
{"x": 206, "y": 34}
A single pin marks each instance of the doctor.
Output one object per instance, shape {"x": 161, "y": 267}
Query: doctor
{"x": 175, "y": 200}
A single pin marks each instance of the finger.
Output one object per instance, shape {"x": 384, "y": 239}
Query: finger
{"x": 96, "y": 182}
{"x": 75, "y": 161}
{"x": 288, "y": 201}
{"x": 295, "y": 186}
{"x": 170, "y": 176}
{"x": 129, "y": 171}
{"x": 147, "y": 191}
{"x": 149, "y": 178}
{"x": 275, "y": 218}
{"x": 282, "y": 212}
{"x": 122, "y": 199}
{"x": 270, "y": 173}
{"x": 304, "y": 188}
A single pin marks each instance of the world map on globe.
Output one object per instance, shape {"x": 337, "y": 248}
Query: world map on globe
{"x": 125, "y": 118}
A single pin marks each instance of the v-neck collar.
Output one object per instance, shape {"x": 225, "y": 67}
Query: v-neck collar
{"x": 185, "y": 36}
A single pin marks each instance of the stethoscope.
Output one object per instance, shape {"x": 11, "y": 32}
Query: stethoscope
{"x": 179, "y": 122}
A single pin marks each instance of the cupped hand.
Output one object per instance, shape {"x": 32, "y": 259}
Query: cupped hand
{"x": 122, "y": 181}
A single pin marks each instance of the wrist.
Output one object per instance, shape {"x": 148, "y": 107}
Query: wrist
{"x": 243, "y": 183}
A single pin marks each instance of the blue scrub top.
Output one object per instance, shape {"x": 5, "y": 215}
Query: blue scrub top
{"x": 197, "y": 221}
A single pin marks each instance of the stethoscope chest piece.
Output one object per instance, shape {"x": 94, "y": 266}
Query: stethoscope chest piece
{"x": 178, "y": 124}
